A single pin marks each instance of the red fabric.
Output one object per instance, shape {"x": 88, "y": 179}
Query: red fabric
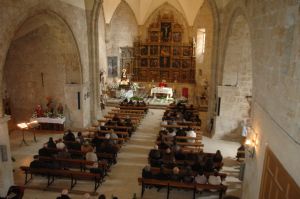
{"x": 162, "y": 84}
{"x": 185, "y": 92}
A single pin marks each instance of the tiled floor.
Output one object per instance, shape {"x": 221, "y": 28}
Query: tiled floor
{"x": 122, "y": 181}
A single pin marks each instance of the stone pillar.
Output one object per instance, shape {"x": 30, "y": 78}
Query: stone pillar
{"x": 6, "y": 175}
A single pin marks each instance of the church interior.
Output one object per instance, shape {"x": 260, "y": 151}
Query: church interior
{"x": 150, "y": 99}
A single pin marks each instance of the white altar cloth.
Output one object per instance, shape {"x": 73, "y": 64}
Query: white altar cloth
{"x": 56, "y": 120}
{"x": 163, "y": 90}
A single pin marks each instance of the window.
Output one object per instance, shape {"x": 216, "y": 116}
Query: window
{"x": 200, "y": 49}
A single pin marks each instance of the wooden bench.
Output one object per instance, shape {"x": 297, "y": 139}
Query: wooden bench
{"x": 52, "y": 173}
{"x": 74, "y": 163}
{"x": 126, "y": 114}
{"x": 117, "y": 110}
{"x": 180, "y": 185}
{"x": 107, "y": 156}
{"x": 180, "y": 126}
{"x": 144, "y": 108}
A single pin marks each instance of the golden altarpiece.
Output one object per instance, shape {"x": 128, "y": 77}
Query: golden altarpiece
{"x": 163, "y": 56}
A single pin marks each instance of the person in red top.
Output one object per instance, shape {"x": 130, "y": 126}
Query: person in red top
{"x": 163, "y": 83}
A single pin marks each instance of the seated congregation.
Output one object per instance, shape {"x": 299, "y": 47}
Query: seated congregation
{"x": 182, "y": 166}
{"x": 87, "y": 156}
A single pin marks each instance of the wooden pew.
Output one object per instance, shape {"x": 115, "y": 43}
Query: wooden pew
{"x": 126, "y": 114}
{"x": 108, "y": 156}
{"x": 145, "y": 108}
{"x": 74, "y": 163}
{"x": 180, "y": 185}
{"x": 117, "y": 110}
{"x": 52, "y": 173}
{"x": 181, "y": 126}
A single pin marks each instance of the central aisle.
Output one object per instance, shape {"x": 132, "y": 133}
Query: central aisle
{"x": 122, "y": 180}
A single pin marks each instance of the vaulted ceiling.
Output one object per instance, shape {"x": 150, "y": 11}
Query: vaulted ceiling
{"x": 142, "y": 9}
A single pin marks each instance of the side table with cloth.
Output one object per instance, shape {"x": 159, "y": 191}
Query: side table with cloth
{"x": 47, "y": 123}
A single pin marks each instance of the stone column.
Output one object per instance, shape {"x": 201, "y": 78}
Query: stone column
{"x": 6, "y": 175}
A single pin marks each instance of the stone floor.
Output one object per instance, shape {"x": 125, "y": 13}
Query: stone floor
{"x": 122, "y": 181}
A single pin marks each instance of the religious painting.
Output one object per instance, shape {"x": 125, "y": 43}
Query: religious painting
{"x": 186, "y": 51}
{"x": 144, "y": 62}
{"x": 186, "y": 63}
{"x": 177, "y": 37}
{"x": 144, "y": 50}
{"x": 165, "y": 30}
{"x": 165, "y": 62}
{"x": 112, "y": 64}
{"x": 176, "y": 51}
{"x": 175, "y": 76}
{"x": 176, "y": 63}
{"x": 154, "y": 36}
{"x": 165, "y": 51}
{"x": 153, "y": 50}
{"x": 154, "y": 62}
{"x": 184, "y": 75}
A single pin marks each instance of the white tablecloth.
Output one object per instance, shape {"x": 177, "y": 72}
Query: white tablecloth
{"x": 56, "y": 120}
{"x": 163, "y": 90}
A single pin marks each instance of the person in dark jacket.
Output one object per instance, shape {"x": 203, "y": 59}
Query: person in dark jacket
{"x": 69, "y": 136}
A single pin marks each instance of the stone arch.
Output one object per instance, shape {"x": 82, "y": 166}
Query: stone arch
{"x": 122, "y": 31}
{"x": 178, "y": 17}
{"x": 207, "y": 17}
{"x": 44, "y": 67}
{"x": 236, "y": 90}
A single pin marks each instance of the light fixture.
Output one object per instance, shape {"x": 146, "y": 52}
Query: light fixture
{"x": 22, "y": 125}
{"x": 250, "y": 143}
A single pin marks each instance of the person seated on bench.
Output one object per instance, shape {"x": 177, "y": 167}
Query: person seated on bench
{"x": 86, "y": 147}
{"x": 178, "y": 153}
{"x": 45, "y": 151}
{"x": 188, "y": 175}
{"x": 51, "y": 144}
{"x": 176, "y": 176}
{"x": 191, "y": 133}
{"x": 200, "y": 178}
{"x": 69, "y": 136}
{"x": 60, "y": 145}
{"x": 217, "y": 158}
{"x": 214, "y": 179}
{"x": 130, "y": 103}
{"x": 79, "y": 137}
{"x": 64, "y": 154}
{"x": 116, "y": 118}
{"x": 168, "y": 158}
{"x": 92, "y": 156}
{"x": 155, "y": 157}
{"x": 209, "y": 165}
{"x": 64, "y": 194}
{"x": 198, "y": 166}
{"x": 146, "y": 173}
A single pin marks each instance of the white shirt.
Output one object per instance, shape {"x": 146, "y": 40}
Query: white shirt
{"x": 91, "y": 156}
{"x": 214, "y": 180}
{"x": 201, "y": 179}
{"x": 60, "y": 145}
{"x": 192, "y": 134}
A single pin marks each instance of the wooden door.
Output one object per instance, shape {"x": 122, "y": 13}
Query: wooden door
{"x": 276, "y": 182}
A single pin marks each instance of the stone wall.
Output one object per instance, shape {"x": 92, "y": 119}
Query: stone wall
{"x": 274, "y": 33}
{"x": 236, "y": 87}
{"x": 204, "y": 66}
{"x": 15, "y": 13}
{"x": 42, "y": 58}
{"x": 121, "y": 31}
